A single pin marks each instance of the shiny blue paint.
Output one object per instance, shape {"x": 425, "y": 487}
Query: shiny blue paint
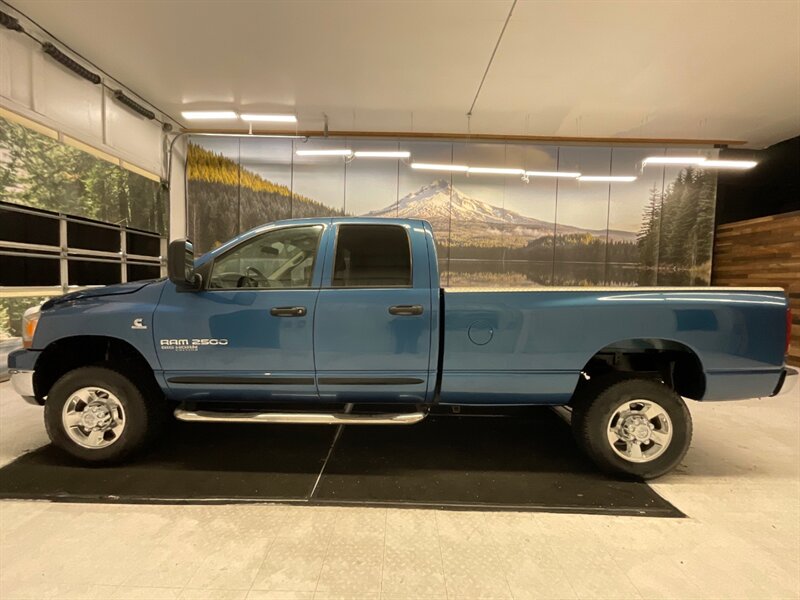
{"x": 105, "y": 312}
{"x": 527, "y": 347}
{"x": 23, "y": 360}
{"x": 258, "y": 343}
{"x": 356, "y": 337}
{"x": 547, "y": 338}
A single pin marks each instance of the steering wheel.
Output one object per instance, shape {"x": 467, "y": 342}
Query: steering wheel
{"x": 254, "y": 273}
{"x": 253, "y": 278}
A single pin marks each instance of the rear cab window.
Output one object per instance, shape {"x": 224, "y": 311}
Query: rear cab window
{"x": 372, "y": 256}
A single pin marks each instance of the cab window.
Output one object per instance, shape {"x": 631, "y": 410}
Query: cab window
{"x": 372, "y": 256}
{"x": 283, "y": 258}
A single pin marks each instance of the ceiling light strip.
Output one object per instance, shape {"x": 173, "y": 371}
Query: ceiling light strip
{"x": 673, "y": 160}
{"x": 440, "y": 167}
{"x": 495, "y": 171}
{"x": 329, "y": 152}
{"x": 565, "y": 174}
{"x": 608, "y": 178}
{"x": 729, "y": 164}
{"x": 382, "y": 154}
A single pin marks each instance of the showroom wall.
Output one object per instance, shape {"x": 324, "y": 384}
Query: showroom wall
{"x": 69, "y": 145}
{"x": 113, "y": 219}
{"x": 758, "y": 234}
{"x": 43, "y": 172}
{"x": 491, "y": 229}
{"x": 37, "y": 87}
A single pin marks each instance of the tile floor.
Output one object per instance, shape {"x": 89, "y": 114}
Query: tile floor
{"x": 739, "y": 485}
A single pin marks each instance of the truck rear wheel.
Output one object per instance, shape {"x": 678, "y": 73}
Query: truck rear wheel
{"x": 98, "y": 415}
{"x": 632, "y": 427}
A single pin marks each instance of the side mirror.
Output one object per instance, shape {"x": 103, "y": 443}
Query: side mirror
{"x": 180, "y": 265}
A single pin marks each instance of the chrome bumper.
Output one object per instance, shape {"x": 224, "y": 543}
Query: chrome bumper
{"x": 789, "y": 386}
{"x": 22, "y": 382}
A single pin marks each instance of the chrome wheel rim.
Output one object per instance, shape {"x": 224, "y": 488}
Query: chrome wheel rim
{"x": 639, "y": 430}
{"x": 93, "y": 417}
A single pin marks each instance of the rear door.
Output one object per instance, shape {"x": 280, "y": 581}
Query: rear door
{"x": 372, "y": 326}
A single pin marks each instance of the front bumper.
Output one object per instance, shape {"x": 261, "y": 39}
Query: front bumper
{"x": 22, "y": 382}
{"x": 21, "y": 364}
{"x": 787, "y": 388}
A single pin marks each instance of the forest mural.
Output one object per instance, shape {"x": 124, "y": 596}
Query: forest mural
{"x": 39, "y": 171}
{"x": 491, "y": 230}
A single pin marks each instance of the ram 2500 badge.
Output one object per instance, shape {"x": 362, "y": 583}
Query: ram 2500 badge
{"x": 323, "y": 320}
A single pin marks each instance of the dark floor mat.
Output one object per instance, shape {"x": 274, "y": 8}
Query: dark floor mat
{"x": 526, "y": 462}
{"x": 192, "y": 462}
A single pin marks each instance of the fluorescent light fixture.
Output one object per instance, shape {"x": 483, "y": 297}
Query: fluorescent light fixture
{"x": 729, "y": 164}
{"x": 608, "y": 178}
{"x": 269, "y": 118}
{"x": 383, "y": 154}
{"x": 439, "y": 167}
{"x": 209, "y": 115}
{"x": 674, "y": 160}
{"x": 495, "y": 171}
{"x": 552, "y": 174}
{"x": 330, "y": 152}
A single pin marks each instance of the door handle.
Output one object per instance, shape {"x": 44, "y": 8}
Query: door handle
{"x": 406, "y": 310}
{"x": 288, "y": 311}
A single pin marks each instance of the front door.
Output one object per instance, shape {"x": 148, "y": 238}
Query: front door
{"x": 372, "y": 327}
{"x": 248, "y": 334}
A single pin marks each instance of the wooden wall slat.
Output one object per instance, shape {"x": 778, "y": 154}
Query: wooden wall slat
{"x": 762, "y": 252}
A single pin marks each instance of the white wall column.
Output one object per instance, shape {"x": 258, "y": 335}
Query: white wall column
{"x": 177, "y": 189}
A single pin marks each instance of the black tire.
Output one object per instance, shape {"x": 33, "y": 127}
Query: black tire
{"x": 596, "y": 403}
{"x": 142, "y": 417}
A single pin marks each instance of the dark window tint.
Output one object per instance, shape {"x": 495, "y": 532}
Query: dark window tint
{"x": 28, "y": 228}
{"x": 89, "y": 236}
{"x": 140, "y": 272}
{"x": 143, "y": 245}
{"x": 372, "y": 256}
{"x": 26, "y": 270}
{"x": 91, "y": 272}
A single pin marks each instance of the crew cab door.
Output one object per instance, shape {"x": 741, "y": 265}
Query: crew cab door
{"x": 248, "y": 333}
{"x": 372, "y": 326}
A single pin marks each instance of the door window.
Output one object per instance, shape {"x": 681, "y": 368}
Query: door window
{"x": 372, "y": 256}
{"x": 283, "y": 258}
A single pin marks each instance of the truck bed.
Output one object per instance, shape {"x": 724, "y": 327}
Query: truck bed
{"x": 512, "y": 340}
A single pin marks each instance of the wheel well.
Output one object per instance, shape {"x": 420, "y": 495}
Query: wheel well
{"x": 71, "y": 353}
{"x": 674, "y": 363}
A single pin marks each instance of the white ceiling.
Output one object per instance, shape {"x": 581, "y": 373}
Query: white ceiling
{"x": 712, "y": 69}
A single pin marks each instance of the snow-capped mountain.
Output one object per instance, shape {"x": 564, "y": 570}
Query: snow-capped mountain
{"x": 442, "y": 204}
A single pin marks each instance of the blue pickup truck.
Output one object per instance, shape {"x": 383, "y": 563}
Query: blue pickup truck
{"x": 344, "y": 321}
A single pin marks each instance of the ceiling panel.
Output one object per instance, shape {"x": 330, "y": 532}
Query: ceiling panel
{"x": 611, "y": 69}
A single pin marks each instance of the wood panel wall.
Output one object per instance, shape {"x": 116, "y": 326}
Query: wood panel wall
{"x": 762, "y": 252}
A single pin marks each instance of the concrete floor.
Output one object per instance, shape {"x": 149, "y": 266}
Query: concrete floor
{"x": 739, "y": 485}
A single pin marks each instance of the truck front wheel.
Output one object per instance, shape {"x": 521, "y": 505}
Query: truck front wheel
{"x": 98, "y": 415}
{"x": 632, "y": 427}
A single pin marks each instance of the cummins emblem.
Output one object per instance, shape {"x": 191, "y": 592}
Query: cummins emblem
{"x": 137, "y": 324}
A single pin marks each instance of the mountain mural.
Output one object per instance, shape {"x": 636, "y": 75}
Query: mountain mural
{"x": 478, "y": 243}
{"x": 480, "y": 222}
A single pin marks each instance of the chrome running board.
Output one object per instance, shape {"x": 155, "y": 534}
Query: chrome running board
{"x": 209, "y": 416}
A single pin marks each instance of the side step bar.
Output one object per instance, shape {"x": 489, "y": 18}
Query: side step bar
{"x": 338, "y": 418}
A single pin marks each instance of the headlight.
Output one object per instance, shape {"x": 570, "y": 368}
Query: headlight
{"x": 30, "y": 319}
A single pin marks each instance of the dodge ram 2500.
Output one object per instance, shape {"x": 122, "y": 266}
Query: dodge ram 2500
{"x": 344, "y": 321}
